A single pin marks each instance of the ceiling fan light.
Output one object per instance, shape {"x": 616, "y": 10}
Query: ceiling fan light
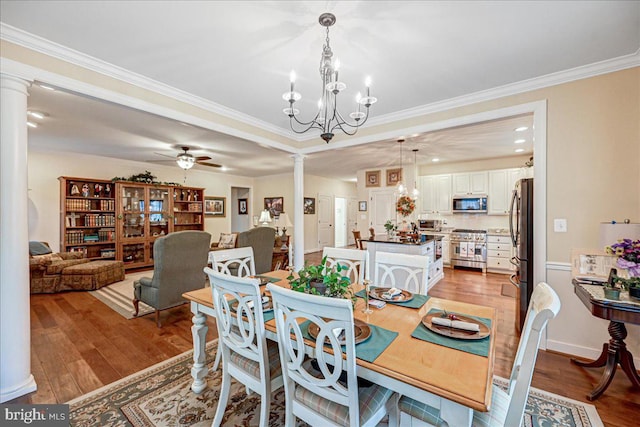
{"x": 185, "y": 161}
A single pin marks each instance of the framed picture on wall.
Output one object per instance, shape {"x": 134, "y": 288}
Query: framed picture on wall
{"x": 242, "y": 207}
{"x": 372, "y": 178}
{"x": 275, "y": 205}
{"x": 215, "y": 206}
{"x": 309, "y": 206}
{"x": 394, "y": 176}
{"x": 362, "y": 206}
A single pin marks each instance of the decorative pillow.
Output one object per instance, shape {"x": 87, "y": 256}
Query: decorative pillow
{"x": 47, "y": 258}
{"x": 227, "y": 240}
{"x": 38, "y": 248}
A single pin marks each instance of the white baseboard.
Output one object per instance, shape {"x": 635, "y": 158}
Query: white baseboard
{"x": 308, "y": 251}
{"x": 25, "y": 388}
{"x": 576, "y": 350}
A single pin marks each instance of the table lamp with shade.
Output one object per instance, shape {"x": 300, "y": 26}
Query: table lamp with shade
{"x": 282, "y": 221}
{"x": 265, "y": 218}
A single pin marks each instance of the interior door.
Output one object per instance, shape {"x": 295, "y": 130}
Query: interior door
{"x": 325, "y": 221}
{"x": 352, "y": 219}
{"x": 382, "y": 209}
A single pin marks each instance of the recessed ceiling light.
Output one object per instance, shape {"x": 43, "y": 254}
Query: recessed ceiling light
{"x": 43, "y": 86}
{"x": 519, "y": 150}
{"x": 224, "y": 168}
{"x": 37, "y": 114}
{"x": 435, "y": 159}
{"x": 521, "y": 129}
{"x": 32, "y": 125}
{"x": 519, "y": 141}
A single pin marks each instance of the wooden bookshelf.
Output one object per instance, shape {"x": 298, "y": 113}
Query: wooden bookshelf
{"x": 87, "y": 217}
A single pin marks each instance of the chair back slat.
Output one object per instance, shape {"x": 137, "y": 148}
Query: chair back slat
{"x": 544, "y": 306}
{"x": 355, "y": 261}
{"x": 404, "y": 271}
{"x": 293, "y": 308}
{"x": 240, "y": 328}
{"x": 226, "y": 261}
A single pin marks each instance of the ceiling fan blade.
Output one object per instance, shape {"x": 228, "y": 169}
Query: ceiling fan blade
{"x": 165, "y": 155}
{"x": 213, "y": 165}
{"x": 201, "y": 158}
{"x": 160, "y": 161}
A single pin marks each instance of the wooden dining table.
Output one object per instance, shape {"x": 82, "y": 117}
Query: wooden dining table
{"x": 454, "y": 381}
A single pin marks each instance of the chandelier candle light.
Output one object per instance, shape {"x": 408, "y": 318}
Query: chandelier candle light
{"x": 328, "y": 118}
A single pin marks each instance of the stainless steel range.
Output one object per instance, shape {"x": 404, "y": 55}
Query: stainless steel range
{"x": 469, "y": 248}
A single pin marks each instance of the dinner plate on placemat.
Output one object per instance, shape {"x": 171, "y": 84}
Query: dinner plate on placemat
{"x": 266, "y": 306}
{"x": 361, "y": 332}
{"x": 456, "y": 333}
{"x": 378, "y": 293}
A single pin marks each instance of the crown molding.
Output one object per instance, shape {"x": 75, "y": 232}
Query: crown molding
{"x": 47, "y": 47}
{"x": 58, "y": 51}
{"x": 553, "y": 79}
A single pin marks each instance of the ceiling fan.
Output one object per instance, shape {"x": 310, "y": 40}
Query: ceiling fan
{"x": 186, "y": 160}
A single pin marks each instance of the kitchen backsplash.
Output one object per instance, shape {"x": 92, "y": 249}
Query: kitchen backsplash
{"x": 472, "y": 221}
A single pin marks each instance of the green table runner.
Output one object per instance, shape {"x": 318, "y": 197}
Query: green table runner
{"x": 368, "y": 350}
{"x": 417, "y": 301}
{"x": 479, "y": 347}
{"x": 270, "y": 279}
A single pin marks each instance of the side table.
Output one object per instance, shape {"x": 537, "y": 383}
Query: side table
{"x": 615, "y": 351}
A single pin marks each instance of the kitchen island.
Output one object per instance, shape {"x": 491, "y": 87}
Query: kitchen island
{"x": 394, "y": 245}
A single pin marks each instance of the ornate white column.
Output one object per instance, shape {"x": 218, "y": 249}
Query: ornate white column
{"x": 15, "y": 330}
{"x": 298, "y": 211}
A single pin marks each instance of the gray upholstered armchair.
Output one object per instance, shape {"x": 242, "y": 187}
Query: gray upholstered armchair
{"x": 261, "y": 239}
{"x": 178, "y": 262}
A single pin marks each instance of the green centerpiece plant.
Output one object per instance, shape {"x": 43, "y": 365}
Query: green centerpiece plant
{"x": 320, "y": 280}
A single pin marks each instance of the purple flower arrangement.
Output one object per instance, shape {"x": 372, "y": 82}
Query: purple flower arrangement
{"x": 628, "y": 253}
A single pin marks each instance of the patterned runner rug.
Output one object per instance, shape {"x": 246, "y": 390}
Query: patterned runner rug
{"x": 161, "y": 396}
{"x": 119, "y": 295}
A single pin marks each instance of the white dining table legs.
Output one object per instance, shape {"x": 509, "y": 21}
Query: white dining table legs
{"x": 199, "y": 332}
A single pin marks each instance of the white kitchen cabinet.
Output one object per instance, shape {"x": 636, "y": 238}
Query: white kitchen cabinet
{"x": 470, "y": 183}
{"x": 501, "y": 185}
{"x": 499, "y": 254}
{"x": 435, "y": 194}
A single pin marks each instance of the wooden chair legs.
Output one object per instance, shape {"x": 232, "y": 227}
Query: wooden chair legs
{"x": 136, "y": 306}
{"x": 158, "y": 319}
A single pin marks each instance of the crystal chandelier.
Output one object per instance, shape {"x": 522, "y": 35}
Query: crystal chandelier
{"x": 415, "y": 192}
{"x": 328, "y": 118}
{"x": 402, "y": 189}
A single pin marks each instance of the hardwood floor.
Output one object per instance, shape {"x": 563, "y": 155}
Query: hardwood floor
{"x": 79, "y": 344}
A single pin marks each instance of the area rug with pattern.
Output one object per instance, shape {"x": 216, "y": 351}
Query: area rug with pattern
{"x": 161, "y": 396}
{"x": 119, "y": 295}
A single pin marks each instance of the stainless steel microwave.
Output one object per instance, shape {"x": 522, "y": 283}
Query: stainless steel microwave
{"x": 469, "y": 204}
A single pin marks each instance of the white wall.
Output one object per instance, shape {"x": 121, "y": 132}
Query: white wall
{"x": 282, "y": 185}
{"x": 44, "y": 193}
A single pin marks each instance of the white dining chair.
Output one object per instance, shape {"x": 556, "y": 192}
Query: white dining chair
{"x": 320, "y": 397}
{"x": 247, "y": 356}
{"x": 403, "y": 271}
{"x": 507, "y": 407}
{"x": 355, "y": 260}
{"x": 237, "y": 261}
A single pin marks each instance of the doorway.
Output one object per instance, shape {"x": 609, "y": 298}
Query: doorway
{"x": 239, "y": 209}
{"x": 340, "y": 222}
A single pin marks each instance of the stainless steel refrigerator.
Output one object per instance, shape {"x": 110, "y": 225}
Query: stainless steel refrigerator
{"x": 521, "y": 228}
